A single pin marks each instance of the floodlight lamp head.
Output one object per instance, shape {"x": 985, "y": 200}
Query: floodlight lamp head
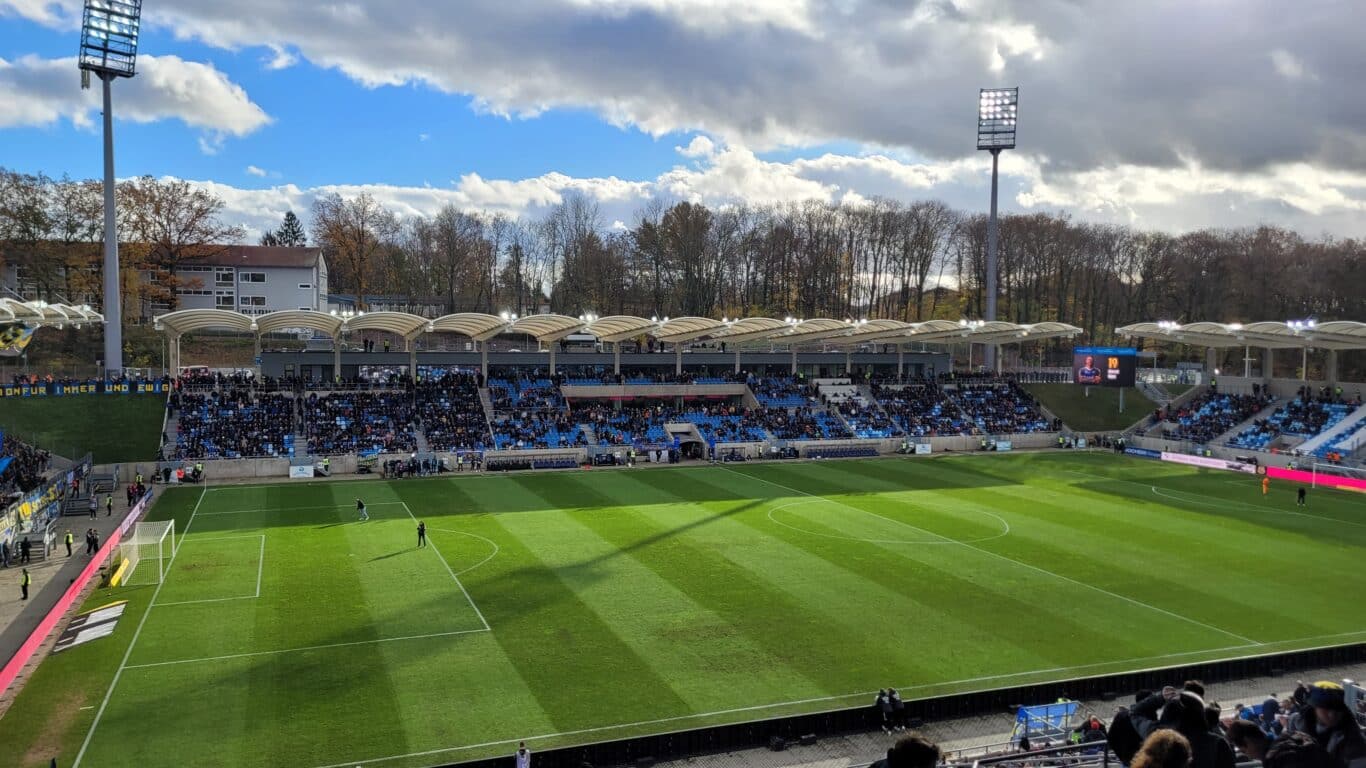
{"x": 109, "y": 38}
{"x": 996, "y": 115}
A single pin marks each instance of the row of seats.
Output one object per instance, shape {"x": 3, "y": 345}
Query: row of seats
{"x": 1213, "y": 414}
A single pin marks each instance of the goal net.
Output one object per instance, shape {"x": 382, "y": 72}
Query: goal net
{"x": 1337, "y": 476}
{"x": 146, "y": 554}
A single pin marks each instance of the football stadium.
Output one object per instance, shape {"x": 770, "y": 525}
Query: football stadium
{"x": 761, "y": 463}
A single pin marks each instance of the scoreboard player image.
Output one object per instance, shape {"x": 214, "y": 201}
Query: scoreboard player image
{"x": 1104, "y": 366}
{"x": 1088, "y": 373}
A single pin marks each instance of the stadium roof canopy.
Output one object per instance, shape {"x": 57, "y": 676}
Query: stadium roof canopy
{"x": 1336, "y": 334}
{"x": 475, "y": 325}
{"x": 36, "y": 313}
{"x": 682, "y": 329}
{"x": 620, "y": 327}
{"x": 550, "y": 328}
{"x": 547, "y": 327}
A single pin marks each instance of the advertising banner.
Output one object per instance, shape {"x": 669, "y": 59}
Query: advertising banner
{"x": 1209, "y": 462}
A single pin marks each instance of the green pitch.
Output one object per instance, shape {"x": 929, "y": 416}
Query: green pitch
{"x": 584, "y": 606}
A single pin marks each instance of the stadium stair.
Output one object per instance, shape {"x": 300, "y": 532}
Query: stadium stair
{"x": 1330, "y": 435}
{"x": 487, "y": 401}
{"x": 1264, "y": 413}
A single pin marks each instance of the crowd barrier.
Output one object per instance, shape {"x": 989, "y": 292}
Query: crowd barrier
{"x": 45, "y": 627}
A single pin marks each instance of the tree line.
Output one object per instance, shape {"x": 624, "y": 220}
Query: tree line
{"x": 885, "y": 258}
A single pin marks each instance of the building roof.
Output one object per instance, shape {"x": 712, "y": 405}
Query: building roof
{"x": 258, "y": 256}
{"x": 1334, "y": 334}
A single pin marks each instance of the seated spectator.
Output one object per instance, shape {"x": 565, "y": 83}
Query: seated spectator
{"x": 1163, "y": 749}
{"x": 1297, "y": 750}
{"x": 1183, "y": 711}
{"x": 1327, "y": 719}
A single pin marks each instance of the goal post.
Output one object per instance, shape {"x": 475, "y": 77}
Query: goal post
{"x": 1338, "y": 476}
{"x": 146, "y": 554}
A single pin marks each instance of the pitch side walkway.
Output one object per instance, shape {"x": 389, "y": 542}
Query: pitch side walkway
{"x": 973, "y": 735}
{"x": 51, "y": 577}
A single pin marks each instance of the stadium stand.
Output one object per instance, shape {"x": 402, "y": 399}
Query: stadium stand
{"x": 21, "y": 466}
{"x": 922, "y": 410}
{"x": 349, "y": 422}
{"x": 782, "y": 392}
{"x": 451, "y": 414}
{"x": 999, "y": 406}
{"x": 538, "y": 394}
{"x": 867, "y": 420}
{"x": 537, "y": 430}
{"x": 1212, "y": 414}
{"x": 232, "y": 423}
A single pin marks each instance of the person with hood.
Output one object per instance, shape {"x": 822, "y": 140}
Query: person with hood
{"x": 1296, "y": 750}
{"x": 1184, "y": 712}
{"x": 1326, "y": 719}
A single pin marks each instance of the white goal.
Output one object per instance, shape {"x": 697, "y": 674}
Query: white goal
{"x": 146, "y": 554}
{"x": 1331, "y": 475}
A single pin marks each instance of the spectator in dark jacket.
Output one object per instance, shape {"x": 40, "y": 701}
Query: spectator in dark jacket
{"x": 1183, "y": 712}
{"x": 1248, "y": 738}
{"x": 1296, "y": 750}
{"x": 1328, "y": 721}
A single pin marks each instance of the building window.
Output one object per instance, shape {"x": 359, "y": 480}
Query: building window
{"x": 252, "y": 277}
{"x": 223, "y": 301}
{"x": 252, "y": 301}
{"x": 305, "y": 309}
{"x": 223, "y": 277}
{"x": 305, "y": 286}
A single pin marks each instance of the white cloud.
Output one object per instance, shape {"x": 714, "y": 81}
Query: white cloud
{"x": 280, "y": 58}
{"x": 700, "y": 146}
{"x": 423, "y": 136}
{"x": 258, "y": 172}
{"x": 1192, "y": 197}
{"x": 1290, "y": 67}
{"x": 37, "y": 91}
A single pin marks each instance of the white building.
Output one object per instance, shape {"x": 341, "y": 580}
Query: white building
{"x": 254, "y": 280}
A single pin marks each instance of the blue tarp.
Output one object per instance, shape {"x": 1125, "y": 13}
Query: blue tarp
{"x": 1044, "y": 718}
{"x": 5, "y": 463}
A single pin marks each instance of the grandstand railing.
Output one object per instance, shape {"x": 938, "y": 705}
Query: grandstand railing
{"x": 1084, "y": 754}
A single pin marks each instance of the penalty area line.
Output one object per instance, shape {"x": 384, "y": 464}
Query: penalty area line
{"x": 109, "y": 694}
{"x": 279, "y": 651}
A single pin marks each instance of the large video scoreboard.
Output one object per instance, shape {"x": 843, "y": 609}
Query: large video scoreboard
{"x": 1104, "y": 366}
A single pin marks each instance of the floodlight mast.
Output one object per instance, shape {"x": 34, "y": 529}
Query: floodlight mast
{"x": 109, "y": 47}
{"x": 996, "y": 112}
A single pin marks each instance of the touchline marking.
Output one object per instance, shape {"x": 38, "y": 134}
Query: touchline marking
{"x": 475, "y": 536}
{"x": 134, "y": 641}
{"x": 454, "y": 577}
{"x": 945, "y": 540}
{"x": 838, "y": 697}
{"x": 260, "y": 565}
{"x": 207, "y": 600}
{"x": 301, "y": 509}
{"x": 1020, "y": 563}
{"x": 304, "y": 648}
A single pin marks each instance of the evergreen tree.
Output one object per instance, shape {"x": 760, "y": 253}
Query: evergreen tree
{"x": 291, "y": 232}
{"x": 270, "y": 238}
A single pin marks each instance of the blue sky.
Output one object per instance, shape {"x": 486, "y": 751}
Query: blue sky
{"x": 326, "y": 128}
{"x": 1130, "y": 113}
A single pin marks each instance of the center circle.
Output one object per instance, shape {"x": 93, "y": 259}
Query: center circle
{"x": 939, "y": 538}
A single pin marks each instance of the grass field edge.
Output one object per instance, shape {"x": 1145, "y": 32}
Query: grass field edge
{"x": 904, "y": 689}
